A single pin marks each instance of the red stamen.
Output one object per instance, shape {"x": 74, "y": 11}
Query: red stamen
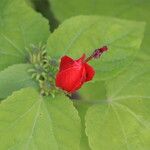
{"x": 97, "y": 53}
{"x": 104, "y": 48}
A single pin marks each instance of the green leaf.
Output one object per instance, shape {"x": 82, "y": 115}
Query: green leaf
{"x": 82, "y": 107}
{"x": 87, "y": 99}
{"x": 83, "y": 34}
{"x": 126, "y": 9}
{"x": 43, "y": 7}
{"x": 92, "y": 92}
{"x": 20, "y": 26}
{"x": 27, "y": 121}
{"x": 30, "y": 3}
{"x": 14, "y": 78}
{"x": 122, "y": 121}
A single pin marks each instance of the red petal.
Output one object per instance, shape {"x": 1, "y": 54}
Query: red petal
{"x": 77, "y": 86}
{"x": 70, "y": 79}
{"x": 66, "y": 62}
{"x": 89, "y": 72}
{"x": 80, "y": 82}
{"x": 81, "y": 59}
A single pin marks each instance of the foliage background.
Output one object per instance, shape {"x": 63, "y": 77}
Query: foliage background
{"x": 113, "y": 112}
{"x": 57, "y": 11}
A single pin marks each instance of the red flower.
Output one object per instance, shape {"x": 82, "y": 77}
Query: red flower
{"x": 73, "y": 73}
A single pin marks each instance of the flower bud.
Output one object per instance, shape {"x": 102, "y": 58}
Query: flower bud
{"x": 73, "y": 74}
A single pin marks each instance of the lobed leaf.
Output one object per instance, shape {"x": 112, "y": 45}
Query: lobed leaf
{"x": 122, "y": 121}
{"x": 14, "y": 78}
{"x": 83, "y": 34}
{"x": 20, "y": 27}
{"x": 126, "y": 9}
{"x": 29, "y": 121}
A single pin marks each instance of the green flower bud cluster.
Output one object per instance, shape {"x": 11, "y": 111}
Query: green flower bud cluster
{"x": 44, "y": 69}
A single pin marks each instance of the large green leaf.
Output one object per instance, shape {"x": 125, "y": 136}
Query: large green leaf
{"x": 83, "y": 34}
{"x": 20, "y": 26}
{"x": 14, "y": 78}
{"x": 29, "y": 122}
{"x": 122, "y": 121}
{"x": 128, "y": 9}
